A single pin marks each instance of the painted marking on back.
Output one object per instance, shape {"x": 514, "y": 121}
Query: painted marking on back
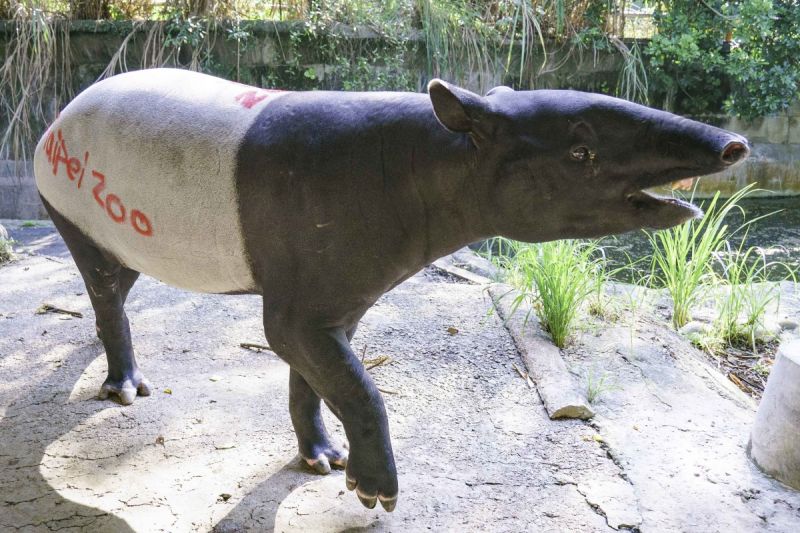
{"x": 55, "y": 148}
{"x": 252, "y": 97}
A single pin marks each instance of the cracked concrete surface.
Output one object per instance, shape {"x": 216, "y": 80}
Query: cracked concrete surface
{"x": 474, "y": 446}
{"x": 678, "y": 428}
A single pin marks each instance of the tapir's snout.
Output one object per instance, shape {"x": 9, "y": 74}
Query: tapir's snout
{"x": 735, "y": 151}
{"x": 692, "y": 149}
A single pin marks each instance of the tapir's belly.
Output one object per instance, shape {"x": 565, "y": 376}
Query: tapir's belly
{"x": 144, "y": 164}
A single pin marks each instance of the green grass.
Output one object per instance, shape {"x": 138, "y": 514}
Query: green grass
{"x": 554, "y": 278}
{"x": 744, "y": 295}
{"x": 6, "y": 250}
{"x": 597, "y": 385}
{"x": 683, "y": 256}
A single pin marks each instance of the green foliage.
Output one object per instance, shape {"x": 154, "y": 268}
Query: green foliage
{"x": 555, "y": 278}
{"x": 765, "y": 67}
{"x": 35, "y": 74}
{"x": 682, "y": 255}
{"x": 353, "y": 46}
{"x": 690, "y": 73}
{"x": 744, "y": 300}
{"x": 745, "y": 294}
{"x": 6, "y": 250}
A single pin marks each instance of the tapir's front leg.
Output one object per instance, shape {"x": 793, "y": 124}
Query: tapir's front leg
{"x": 324, "y": 359}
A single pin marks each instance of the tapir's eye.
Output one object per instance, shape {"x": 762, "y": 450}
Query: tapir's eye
{"x": 580, "y": 153}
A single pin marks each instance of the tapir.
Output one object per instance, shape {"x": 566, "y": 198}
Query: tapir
{"x": 321, "y": 202}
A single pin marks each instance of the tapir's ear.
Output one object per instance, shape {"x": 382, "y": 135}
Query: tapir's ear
{"x": 456, "y": 108}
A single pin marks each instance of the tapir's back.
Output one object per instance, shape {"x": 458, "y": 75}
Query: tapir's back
{"x": 145, "y": 163}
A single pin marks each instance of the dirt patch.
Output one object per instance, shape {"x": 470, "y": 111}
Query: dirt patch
{"x": 747, "y": 368}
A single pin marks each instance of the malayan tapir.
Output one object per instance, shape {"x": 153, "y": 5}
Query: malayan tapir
{"x": 322, "y": 201}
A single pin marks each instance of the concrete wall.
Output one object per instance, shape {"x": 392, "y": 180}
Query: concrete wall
{"x": 18, "y": 195}
{"x": 774, "y": 165}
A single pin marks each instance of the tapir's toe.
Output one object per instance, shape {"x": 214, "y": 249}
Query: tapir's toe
{"x": 369, "y": 496}
{"x": 330, "y": 457}
{"x": 388, "y": 502}
{"x": 369, "y": 500}
{"x": 125, "y": 390}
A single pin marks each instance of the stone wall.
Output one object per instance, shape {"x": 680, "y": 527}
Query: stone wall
{"x": 774, "y": 165}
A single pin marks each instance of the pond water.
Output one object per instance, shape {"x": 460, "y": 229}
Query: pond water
{"x": 778, "y": 234}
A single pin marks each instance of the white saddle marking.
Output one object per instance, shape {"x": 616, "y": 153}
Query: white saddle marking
{"x": 144, "y": 163}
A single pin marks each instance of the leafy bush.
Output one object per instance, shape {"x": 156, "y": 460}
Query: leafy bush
{"x": 691, "y": 71}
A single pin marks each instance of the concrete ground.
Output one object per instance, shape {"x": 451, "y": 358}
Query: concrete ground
{"x": 678, "y": 427}
{"x": 213, "y": 448}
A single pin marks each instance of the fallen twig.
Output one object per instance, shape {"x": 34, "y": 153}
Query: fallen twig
{"x": 523, "y": 375}
{"x": 387, "y": 391}
{"x": 738, "y": 382}
{"x": 755, "y": 386}
{"x": 50, "y": 308}
{"x": 254, "y": 347}
{"x": 369, "y": 364}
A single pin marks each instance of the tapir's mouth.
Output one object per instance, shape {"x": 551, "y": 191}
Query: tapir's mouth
{"x": 664, "y": 212}
{"x": 669, "y": 211}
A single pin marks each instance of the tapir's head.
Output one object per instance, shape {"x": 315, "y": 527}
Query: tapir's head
{"x": 567, "y": 164}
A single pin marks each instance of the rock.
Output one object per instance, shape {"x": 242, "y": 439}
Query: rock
{"x": 787, "y": 324}
{"x": 694, "y": 327}
{"x": 448, "y": 264}
{"x": 469, "y": 260}
{"x": 774, "y": 446}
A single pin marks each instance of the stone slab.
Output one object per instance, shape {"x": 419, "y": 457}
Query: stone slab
{"x": 561, "y": 396}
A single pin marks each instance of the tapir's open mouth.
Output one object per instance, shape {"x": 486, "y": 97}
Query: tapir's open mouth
{"x": 664, "y": 211}
{"x": 669, "y": 211}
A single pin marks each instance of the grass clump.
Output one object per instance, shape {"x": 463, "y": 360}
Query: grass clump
{"x": 697, "y": 261}
{"x": 745, "y": 295}
{"x": 554, "y": 278}
{"x": 683, "y": 255}
{"x": 6, "y": 250}
{"x": 597, "y": 385}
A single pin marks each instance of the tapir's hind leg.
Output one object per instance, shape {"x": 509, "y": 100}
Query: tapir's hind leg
{"x": 316, "y": 446}
{"x": 107, "y": 283}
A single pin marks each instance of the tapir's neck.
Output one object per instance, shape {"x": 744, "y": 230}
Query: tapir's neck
{"x": 438, "y": 187}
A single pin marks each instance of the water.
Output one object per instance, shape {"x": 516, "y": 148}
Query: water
{"x": 777, "y": 234}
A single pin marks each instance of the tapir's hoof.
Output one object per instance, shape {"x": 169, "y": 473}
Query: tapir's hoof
{"x": 369, "y": 497}
{"x": 331, "y": 457}
{"x": 125, "y": 390}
